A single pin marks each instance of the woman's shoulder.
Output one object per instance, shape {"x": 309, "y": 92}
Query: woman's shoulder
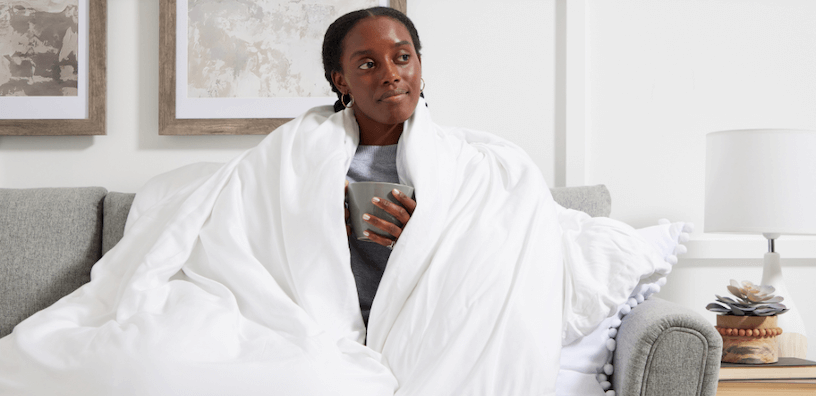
{"x": 486, "y": 145}
{"x": 318, "y": 113}
{"x": 314, "y": 118}
{"x": 478, "y": 138}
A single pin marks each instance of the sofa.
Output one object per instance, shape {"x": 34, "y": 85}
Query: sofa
{"x": 50, "y": 239}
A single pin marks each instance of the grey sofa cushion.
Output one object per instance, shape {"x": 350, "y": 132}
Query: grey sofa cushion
{"x": 594, "y": 200}
{"x": 49, "y": 240}
{"x": 117, "y": 207}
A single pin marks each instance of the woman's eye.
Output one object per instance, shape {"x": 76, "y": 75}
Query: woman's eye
{"x": 367, "y": 65}
{"x": 405, "y": 57}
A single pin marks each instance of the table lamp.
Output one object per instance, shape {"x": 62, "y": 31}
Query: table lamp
{"x": 763, "y": 181}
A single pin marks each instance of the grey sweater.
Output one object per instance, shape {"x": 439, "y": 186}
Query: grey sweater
{"x": 368, "y": 259}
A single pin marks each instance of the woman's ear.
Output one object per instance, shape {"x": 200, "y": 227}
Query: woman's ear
{"x": 339, "y": 82}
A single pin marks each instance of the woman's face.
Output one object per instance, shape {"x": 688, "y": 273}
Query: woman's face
{"x": 381, "y": 70}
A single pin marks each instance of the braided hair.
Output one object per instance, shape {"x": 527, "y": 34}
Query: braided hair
{"x": 336, "y": 34}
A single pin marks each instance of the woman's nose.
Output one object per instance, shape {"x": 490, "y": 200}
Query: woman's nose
{"x": 391, "y": 73}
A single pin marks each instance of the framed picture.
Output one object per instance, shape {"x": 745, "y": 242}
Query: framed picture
{"x": 52, "y": 67}
{"x": 244, "y": 69}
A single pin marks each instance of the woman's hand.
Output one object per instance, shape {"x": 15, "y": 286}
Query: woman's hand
{"x": 401, "y": 213}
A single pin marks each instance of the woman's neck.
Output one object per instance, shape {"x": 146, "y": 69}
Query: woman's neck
{"x": 373, "y": 133}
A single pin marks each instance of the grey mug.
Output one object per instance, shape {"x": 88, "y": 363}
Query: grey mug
{"x": 359, "y": 201}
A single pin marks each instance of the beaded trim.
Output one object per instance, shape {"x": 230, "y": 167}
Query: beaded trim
{"x": 754, "y": 333}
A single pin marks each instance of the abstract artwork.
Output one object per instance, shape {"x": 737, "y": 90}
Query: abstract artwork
{"x": 38, "y": 47}
{"x": 52, "y": 67}
{"x": 267, "y": 48}
{"x": 244, "y": 67}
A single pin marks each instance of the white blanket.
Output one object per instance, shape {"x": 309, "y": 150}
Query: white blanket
{"x": 240, "y": 282}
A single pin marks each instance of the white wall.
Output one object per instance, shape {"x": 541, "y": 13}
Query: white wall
{"x": 660, "y": 75}
{"x": 478, "y": 74}
{"x": 490, "y": 65}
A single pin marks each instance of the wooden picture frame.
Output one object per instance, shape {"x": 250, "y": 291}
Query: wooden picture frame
{"x": 94, "y": 124}
{"x": 168, "y": 123}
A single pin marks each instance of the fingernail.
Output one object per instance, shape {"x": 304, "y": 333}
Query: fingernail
{"x": 365, "y": 233}
{"x": 366, "y": 216}
{"x": 375, "y": 200}
{"x": 396, "y": 192}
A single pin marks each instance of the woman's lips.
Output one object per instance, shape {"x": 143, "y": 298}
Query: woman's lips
{"x": 392, "y": 93}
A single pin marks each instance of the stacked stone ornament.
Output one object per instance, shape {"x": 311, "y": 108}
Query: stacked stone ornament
{"x": 748, "y": 324}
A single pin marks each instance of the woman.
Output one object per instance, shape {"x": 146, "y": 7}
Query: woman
{"x": 371, "y": 59}
{"x": 238, "y": 281}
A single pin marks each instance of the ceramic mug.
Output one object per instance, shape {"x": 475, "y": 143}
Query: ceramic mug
{"x": 359, "y": 202}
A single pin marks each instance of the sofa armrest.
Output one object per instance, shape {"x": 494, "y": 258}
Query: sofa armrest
{"x": 666, "y": 349}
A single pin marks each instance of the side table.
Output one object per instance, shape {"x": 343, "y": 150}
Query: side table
{"x": 787, "y": 387}
{"x": 788, "y": 376}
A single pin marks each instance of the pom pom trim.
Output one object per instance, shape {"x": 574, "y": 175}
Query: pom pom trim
{"x": 642, "y": 294}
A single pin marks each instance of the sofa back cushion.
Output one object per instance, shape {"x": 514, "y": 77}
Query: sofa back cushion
{"x": 49, "y": 240}
{"x": 117, "y": 207}
{"x": 592, "y": 200}
{"x": 51, "y": 237}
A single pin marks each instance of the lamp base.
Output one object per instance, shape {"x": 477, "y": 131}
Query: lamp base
{"x": 793, "y": 340}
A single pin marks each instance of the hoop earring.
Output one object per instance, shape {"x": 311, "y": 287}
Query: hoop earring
{"x": 350, "y": 103}
{"x": 423, "y": 85}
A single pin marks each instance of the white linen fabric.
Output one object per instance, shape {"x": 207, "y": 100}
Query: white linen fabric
{"x": 239, "y": 282}
{"x": 605, "y": 261}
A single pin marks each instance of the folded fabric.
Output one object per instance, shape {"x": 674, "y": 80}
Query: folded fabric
{"x": 604, "y": 260}
{"x": 162, "y": 186}
{"x": 586, "y": 361}
{"x": 238, "y": 282}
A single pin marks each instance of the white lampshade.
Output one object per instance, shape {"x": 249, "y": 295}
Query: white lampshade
{"x": 761, "y": 181}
